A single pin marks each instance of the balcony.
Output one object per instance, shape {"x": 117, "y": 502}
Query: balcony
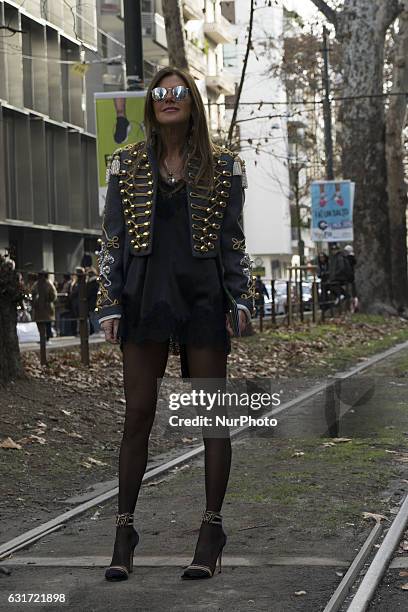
{"x": 221, "y": 83}
{"x": 159, "y": 35}
{"x": 219, "y": 31}
{"x": 196, "y": 58}
{"x": 193, "y": 9}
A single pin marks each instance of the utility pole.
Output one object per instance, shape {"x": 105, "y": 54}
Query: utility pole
{"x": 328, "y": 137}
{"x": 133, "y": 44}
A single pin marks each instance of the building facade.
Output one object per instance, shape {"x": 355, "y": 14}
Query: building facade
{"x": 48, "y": 192}
{"x": 262, "y": 138}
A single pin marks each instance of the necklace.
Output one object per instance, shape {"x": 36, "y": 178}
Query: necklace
{"x": 170, "y": 175}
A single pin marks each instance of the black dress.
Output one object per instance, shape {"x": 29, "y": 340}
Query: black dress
{"x": 170, "y": 294}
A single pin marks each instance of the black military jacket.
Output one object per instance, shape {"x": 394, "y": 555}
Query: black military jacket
{"x": 129, "y": 220}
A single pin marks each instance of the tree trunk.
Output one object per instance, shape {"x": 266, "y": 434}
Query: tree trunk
{"x": 176, "y": 43}
{"x": 10, "y": 294}
{"x": 10, "y": 364}
{"x": 397, "y": 189}
{"x": 360, "y": 27}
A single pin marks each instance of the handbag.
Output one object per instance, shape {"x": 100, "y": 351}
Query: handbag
{"x": 233, "y": 310}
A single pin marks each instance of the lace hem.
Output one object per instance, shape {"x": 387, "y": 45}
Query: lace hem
{"x": 205, "y": 326}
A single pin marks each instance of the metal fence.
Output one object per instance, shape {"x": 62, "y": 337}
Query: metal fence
{"x": 302, "y": 296}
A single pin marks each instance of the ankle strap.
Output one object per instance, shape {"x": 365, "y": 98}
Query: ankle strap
{"x": 214, "y": 518}
{"x": 122, "y": 520}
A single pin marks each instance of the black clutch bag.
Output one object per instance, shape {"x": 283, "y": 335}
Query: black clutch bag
{"x": 233, "y": 310}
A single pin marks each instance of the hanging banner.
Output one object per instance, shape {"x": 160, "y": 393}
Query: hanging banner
{"x": 119, "y": 121}
{"x": 332, "y": 211}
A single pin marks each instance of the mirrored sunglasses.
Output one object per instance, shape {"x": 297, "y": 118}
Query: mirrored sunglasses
{"x": 179, "y": 93}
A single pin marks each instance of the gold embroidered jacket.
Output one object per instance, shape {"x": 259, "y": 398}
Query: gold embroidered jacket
{"x": 129, "y": 218}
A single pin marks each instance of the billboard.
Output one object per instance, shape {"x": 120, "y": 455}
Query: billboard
{"x": 119, "y": 121}
{"x": 332, "y": 210}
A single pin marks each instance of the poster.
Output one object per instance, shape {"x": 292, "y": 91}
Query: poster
{"x": 332, "y": 210}
{"x": 119, "y": 121}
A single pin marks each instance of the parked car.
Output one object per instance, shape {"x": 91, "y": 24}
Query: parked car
{"x": 280, "y": 298}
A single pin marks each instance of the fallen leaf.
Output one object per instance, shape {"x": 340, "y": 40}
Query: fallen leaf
{"x": 298, "y": 454}
{"x": 9, "y": 443}
{"x": 376, "y": 517}
{"x": 300, "y": 593}
{"x": 339, "y": 440}
{"x": 404, "y": 587}
{"x": 66, "y": 412}
{"x": 95, "y": 461}
{"x": 38, "y": 439}
{"x": 155, "y": 482}
{"x": 73, "y": 434}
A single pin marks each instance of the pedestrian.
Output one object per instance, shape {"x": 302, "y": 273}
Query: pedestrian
{"x": 172, "y": 255}
{"x": 63, "y": 321}
{"x": 44, "y": 295}
{"x": 323, "y": 274}
{"x": 349, "y": 253}
{"x": 91, "y": 295}
{"x": 73, "y": 300}
{"x": 340, "y": 273}
{"x": 260, "y": 293}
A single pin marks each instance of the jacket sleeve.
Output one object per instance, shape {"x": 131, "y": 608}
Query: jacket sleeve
{"x": 110, "y": 255}
{"x": 236, "y": 261}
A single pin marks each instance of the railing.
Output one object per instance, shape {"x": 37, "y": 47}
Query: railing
{"x": 301, "y": 294}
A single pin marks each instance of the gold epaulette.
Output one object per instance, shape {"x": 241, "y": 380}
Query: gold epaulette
{"x": 239, "y": 168}
{"x": 113, "y": 166}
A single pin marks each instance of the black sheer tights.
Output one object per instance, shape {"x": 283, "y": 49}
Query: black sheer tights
{"x": 142, "y": 365}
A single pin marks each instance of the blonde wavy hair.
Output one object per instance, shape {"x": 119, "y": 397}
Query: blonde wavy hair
{"x": 200, "y": 147}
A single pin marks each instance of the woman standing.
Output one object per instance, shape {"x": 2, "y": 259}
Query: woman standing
{"x": 172, "y": 252}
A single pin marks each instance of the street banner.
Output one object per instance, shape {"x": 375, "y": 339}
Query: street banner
{"x": 119, "y": 121}
{"x": 332, "y": 211}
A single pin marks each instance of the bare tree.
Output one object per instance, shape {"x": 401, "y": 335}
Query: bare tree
{"x": 242, "y": 79}
{"x": 176, "y": 43}
{"x": 360, "y": 27}
{"x": 396, "y": 121}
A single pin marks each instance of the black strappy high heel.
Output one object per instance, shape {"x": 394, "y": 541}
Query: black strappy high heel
{"x": 198, "y": 569}
{"x": 121, "y": 572}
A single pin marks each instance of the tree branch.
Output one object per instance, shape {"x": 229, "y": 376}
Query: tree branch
{"x": 328, "y": 12}
{"x": 12, "y": 30}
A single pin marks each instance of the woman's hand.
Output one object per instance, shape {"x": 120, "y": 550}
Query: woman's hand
{"x": 243, "y": 322}
{"x": 110, "y": 327}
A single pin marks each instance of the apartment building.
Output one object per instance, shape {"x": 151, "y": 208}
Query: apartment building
{"x": 262, "y": 138}
{"x": 206, "y": 32}
{"x": 49, "y": 210}
{"x": 48, "y": 190}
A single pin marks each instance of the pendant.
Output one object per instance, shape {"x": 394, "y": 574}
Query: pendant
{"x": 171, "y": 180}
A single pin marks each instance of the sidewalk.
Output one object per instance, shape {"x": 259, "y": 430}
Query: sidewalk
{"x": 270, "y": 554}
{"x": 59, "y": 342}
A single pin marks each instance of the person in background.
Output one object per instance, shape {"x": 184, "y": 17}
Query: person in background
{"x": 260, "y": 292}
{"x": 323, "y": 274}
{"x": 349, "y": 253}
{"x": 92, "y": 287}
{"x": 74, "y": 300}
{"x": 44, "y": 295}
{"x": 340, "y": 273}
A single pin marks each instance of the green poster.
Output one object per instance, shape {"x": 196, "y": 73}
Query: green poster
{"x": 119, "y": 122}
